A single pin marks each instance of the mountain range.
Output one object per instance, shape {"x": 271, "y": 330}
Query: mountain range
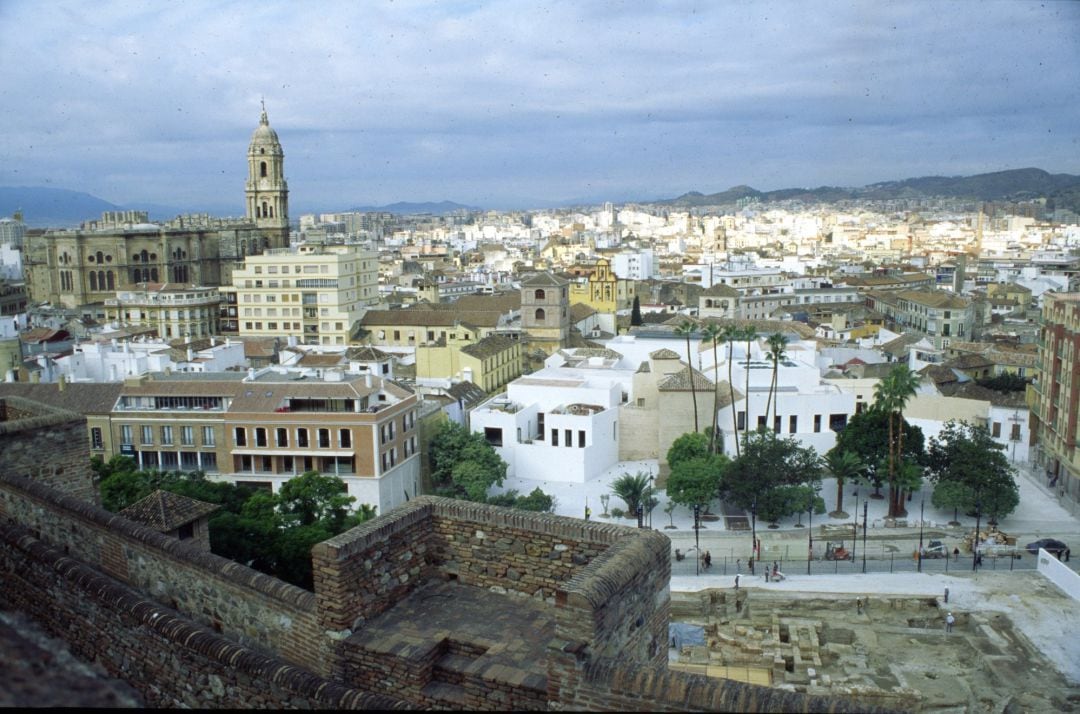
{"x": 1012, "y": 185}
{"x": 57, "y": 207}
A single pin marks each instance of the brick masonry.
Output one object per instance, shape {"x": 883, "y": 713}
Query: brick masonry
{"x": 47, "y": 444}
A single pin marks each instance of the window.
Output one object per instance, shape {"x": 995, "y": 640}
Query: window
{"x": 281, "y": 437}
{"x": 539, "y": 294}
{"x": 741, "y": 420}
{"x": 569, "y": 440}
{"x": 187, "y": 435}
{"x": 260, "y": 436}
{"x": 761, "y": 422}
{"x": 817, "y": 423}
{"x": 96, "y": 440}
{"x": 209, "y": 460}
{"x": 240, "y": 436}
{"x": 1015, "y": 435}
{"x": 493, "y": 435}
{"x": 147, "y": 435}
{"x": 540, "y": 315}
{"x": 208, "y": 438}
{"x": 554, "y": 437}
{"x": 996, "y": 431}
{"x": 776, "y": 423}
{"x": 324, "y": 438}
{"x": 186, "y": 531}
{"x": 345, "y": 438}
{"x": 302, "y": 437}
{"x": 793, "y": 424}
{"x": 837, "y": 422}
{"x": 540, "y": 426}
{"x": 581, "y": 439}
{"x": 167, "y": 435}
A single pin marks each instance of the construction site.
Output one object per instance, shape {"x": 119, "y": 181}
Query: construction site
{"x": 1012, "y": 645}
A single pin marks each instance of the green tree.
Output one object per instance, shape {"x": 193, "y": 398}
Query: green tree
{"x": 696, "y": 481}
{"x": 844, "y": 466}
{"x": 634, "y": 489}
{"x": 768, "y": 469}
{"x": 867, "y": 435}
{"x": 311, "y": 498}
{"x": 891, "y": 394}
{"x": 973, "y": 470}
{"x": 777, "y": 353}
{"x": 463, "y": 464}
{"x": 635, "y": 312}
{"x": 690, "y": 445}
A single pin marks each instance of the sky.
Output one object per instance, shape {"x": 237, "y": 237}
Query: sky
{"x": 526, "y": 103}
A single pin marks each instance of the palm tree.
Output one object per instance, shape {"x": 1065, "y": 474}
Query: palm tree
{"x": 714, "y": 333}
{"x": 777, "y": 352}
{"x": 730, "y": 334}
{"x": 891, "y": 394}
{"x": 634, "y": 489}
{"x": 748, "y": 334}
{"x": 844, "y": 467}
{"x": 685, "y": 329}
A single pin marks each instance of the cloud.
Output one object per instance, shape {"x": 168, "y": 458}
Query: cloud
{"x": 484, "y": 102}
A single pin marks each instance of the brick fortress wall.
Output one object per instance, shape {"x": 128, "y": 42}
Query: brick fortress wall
{"x": 48, "y": 444}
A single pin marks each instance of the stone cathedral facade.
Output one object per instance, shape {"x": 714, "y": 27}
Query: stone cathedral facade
{"x": 80, "y": 268}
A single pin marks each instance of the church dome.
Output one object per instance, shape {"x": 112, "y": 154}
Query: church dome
{"x": 264, "y": 135}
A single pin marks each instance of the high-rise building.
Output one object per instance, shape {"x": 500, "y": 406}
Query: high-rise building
{"x": 314, "y": 294}
{"x": 1057, "y": 393}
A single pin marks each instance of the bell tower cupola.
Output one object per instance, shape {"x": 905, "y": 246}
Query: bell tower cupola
{"x": 266, "y": 189}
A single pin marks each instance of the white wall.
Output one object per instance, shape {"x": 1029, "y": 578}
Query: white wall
{"x": 1059, "y": 574}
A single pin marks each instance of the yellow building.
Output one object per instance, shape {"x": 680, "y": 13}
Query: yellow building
{"x": 490, "y": 362}
{"x": 1001, "y": 293}
{"x": 314, "y": 294}
{"x": 599, "y": 288}
{"x": 1057, "y": 393}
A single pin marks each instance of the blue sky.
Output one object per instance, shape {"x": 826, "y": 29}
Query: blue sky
{"x": 519, "y": 104}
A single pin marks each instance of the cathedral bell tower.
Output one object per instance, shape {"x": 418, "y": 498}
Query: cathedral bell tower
{"x": 266, "y": 190}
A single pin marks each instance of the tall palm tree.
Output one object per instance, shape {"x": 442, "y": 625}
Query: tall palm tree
{"x": 777, "y": 352}
{"x": 714, "y": 333}
{"x": 844, "y": 467}
{"x": 685, "y": 329}
{"x": 891, "y": 394}
{"x": 748, "y": 334}
{"x": 730, "y": 335}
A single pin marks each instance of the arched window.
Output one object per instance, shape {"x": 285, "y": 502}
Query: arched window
{"x": 708, "y": 302}
{"x": 111, "y": 279}
{"x": 540, "y": 313}
{"x": 93, "y": 280}
{"x": 100, "y": 257}
{"x": 101, "y": 279}
{"x": 144, "y": 256}
{"x": 153, "y": 274}
{"x": 262, "y": 169}
{"x": 265, "y": 210}
{"x": 539, "y": 294}
{"x": 135, "y": 275}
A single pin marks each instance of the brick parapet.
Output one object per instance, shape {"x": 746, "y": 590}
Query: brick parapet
{"x": 171, "y": 660}
{"x": 48, "y": 444}
{"x": 257, "y": 609}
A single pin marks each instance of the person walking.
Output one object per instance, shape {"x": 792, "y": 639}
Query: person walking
{"x": 949, "y": 622}
{"x": 708, "y": 559}
{"x": 736, "y": 581}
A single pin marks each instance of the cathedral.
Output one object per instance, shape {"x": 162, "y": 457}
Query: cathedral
{"x": 80, "y": 269}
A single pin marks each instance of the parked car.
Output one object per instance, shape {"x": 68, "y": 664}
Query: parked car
{"x": 936, "y": 549}
{"x": 1050, "y": 545}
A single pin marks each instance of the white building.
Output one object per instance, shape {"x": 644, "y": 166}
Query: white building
{"x": 113, "y": 361}
{"x": 634, "y": 265}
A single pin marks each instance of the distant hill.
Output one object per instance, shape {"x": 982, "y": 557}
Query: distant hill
{"x": 1062, "y": 190}
{"x": 405, "y": 208}
{"x": 51, "y": 207}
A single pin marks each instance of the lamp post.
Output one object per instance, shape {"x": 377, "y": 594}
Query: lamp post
{"x": 922, "y": 505}
{"x": 651, "y": 501}
{"x": 855, "y": 527}
{"x": 697, "y": 540}
{"x": 975, "y": 548}
{"x": 865, "y": 506}
{"x": 753, "y": 534}
{"x": 810, "y": 534}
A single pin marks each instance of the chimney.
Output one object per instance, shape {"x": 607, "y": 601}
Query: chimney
{"x": 367, "y": 380}
{"x": 61, "y": 382}
{"x": 251, "y": 374}
{"x": 190, "y": 355}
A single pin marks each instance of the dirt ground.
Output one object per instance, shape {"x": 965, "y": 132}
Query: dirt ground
{"x": 889, "y": 650}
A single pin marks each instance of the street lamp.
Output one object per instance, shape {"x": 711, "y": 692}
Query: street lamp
{"x": 651, "y": 500}
{"x": 865, "y": 505}
{"x": 922, "y": 505}
{"x": 697, "y": 539}
{"x": 753, "y": 534}
{"x": 975, "y": 549}
{"x": 855, "y": 527}
{"x": 810, "y": 534}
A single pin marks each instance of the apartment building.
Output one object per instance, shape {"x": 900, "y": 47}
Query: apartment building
{"x": 489, "y": 362}
{"x": 1057, "y": 393}
{"x": 172, "y": 309}
{"x": 942, "y": 316}
{"x": 313, "y": 293}
{"x": 262, "y": 428}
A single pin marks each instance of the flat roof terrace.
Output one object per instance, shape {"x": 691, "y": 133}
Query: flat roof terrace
{"x": 474, "y": 643}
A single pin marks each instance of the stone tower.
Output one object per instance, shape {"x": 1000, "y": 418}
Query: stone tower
{"x": 545, "y": 311}
{"x": 266, "y": 190}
